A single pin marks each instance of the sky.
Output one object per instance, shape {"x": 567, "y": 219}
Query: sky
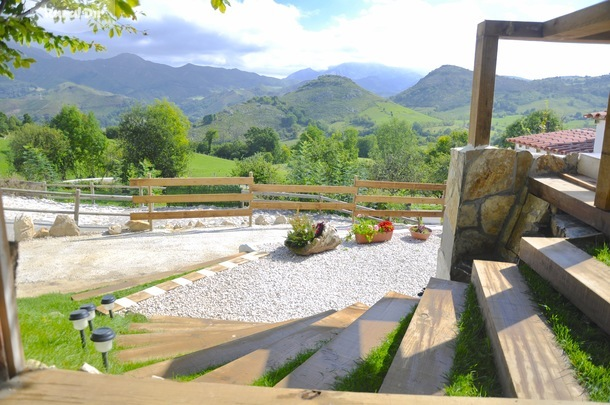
{"x": 279, "y": 37}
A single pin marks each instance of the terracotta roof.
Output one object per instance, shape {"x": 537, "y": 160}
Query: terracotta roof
{"x": 597, "y": 115}
{"x": 559, "y": 142}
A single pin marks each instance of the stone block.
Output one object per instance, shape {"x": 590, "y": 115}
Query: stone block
{"x": 23, "y": 228}
{"x": 535, "y": 211}
{"x": 468, "y": 216}
{"x": 490, "y": 171}
{"x": 64, "y": 225}
{"x": 494, "y": 212}
{"x": 545, "y": 164}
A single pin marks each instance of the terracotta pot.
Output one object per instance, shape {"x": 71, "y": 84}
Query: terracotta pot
{"x": 419, "y": 235}
{"x": 378, "y": 237}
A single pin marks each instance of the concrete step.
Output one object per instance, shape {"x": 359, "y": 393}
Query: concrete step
{"x": 248, "y": 368}
{"x": 582, "y": 279}
{"x": 218, "y": 355}
{"x": 425, "y": 355}
{"x": 337, "y": 358}
{"x": 530, "y": 363}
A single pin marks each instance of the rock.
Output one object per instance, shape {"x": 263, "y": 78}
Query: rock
{"x": 227, "y": 223}
{"x": 280, "y": 220}
{"x": 24, "y": 228}
{"x": 245, "y": 248}
{"x": 115, "y": 229}
{"x": 64, "y": 225}
{"x": 31, "y": 364}
{"x": 42, "y": 233}
{"x": 260, "y": 220}
{"x": 327, "y": 241}
{"x": 190, "y": 224}
{"x": 199, "y": 224}
{"x": 178, "y": 226}
{"x": 88, "y": 368}
{"x": 137, "y": 226}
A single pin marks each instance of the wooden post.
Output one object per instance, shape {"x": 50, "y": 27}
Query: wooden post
{"x": 602, "y": 195}
{"x": 150, "y": 205}
{"x": 92, "y": 191}
{"x": 250, "y": 174}
{"x": 483, "y": 82}
{"x": 76, "y": 205}
{"x": 141, "y": 192}
{"x": 12, "y": 358}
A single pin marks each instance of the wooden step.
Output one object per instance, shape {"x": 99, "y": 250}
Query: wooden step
{"x": 194, "y": 321}
{"x": 248, "y": 368}
{"x": 530, "y": 363}
{"x": 226, "y": 352}
{"x": 425, "y": 355}
{"x": 571, "y": 198}
{"x": 160, "y": 327}
{"x": 579, "y": 277}
{"x": 338, "y": 357}
{"x": 177, "y": 345}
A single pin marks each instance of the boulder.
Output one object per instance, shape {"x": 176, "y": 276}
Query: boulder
{"x": 64, "y": 225}
{"x": 42, "y": 233}
{"x": 246, "y": 248}
{"x": 199, "y": 224}
{"x": 260, "y": 220}
{"x": 24, "y": 228}
{"x": 137, "y": 226}
{"x": 227, "y": 223}
{"x": 280, "y": 220}
{"x": 115, "y": 229}
{"x": 329, "y": 240}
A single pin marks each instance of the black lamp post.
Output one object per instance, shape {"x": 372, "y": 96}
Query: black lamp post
{"x": 79, "y": 321}
{"x": 108, "y": 303}
{"x": 102, "y": 339}
{"x": 91, "y": 309}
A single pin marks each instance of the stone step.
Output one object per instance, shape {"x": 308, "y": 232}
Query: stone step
{"x": 218, "y": 355}
{"x": 530, "y": 363}
{"x": 338, "y": 357}
{"x": 579, "y": 277}
{"x": 248, "y": 368}
{"x": 425, "y": 355}
{"x": 146, "y": 347}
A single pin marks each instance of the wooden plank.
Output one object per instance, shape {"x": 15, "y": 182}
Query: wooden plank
{"x": 337, "y": 358}
{"x": 156, "y": 327}
{"x": 581, "y": 278}
{"x": 394, "y": 199}
{"x": 196, "y": 321}
{"x": 572, "y": 199}
{"x": 69, "y": 387}
{"x": 140, "y": 280}
{"x": 202, "y": 359}
{"x": 191, "y": 181}
{"x": 425, "y": 355}
{"x": 296, "y": 205}
{"x": 587, "y": 25}
{"x": 399, "y": 213}
{"x": 248, "y": 368}
{"x": 602, "y": 196}
{"x": 483, "y": 84}
{"x": 530, "y": 363}
{"x": 397, "y": 185}
{"x": 291, "y": 188}
{"x": 580, "y": 180}
{"x": 191, "y": 198}
{"x": 205, "y": 339}
{"x": 12, "y": 358}
{"x": 237, "y": 212}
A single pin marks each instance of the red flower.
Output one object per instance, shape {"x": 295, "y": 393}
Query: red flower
{"x": 386, "y": 226}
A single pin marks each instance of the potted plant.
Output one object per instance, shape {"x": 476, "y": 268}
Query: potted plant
{"x": 367, "y": 230}
{"x": 307, "y": 238}
{"x": 420, "y": 231}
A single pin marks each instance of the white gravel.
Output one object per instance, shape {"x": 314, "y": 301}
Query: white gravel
{"x": 285, "y": 286}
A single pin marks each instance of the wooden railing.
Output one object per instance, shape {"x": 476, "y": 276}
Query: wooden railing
{"x": 290, "y": 198}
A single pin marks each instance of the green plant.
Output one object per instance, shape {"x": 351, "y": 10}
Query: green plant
{"x": 303, "y": 231}
{"x": 420, "y": 227}
{"x": 368, "y": 227}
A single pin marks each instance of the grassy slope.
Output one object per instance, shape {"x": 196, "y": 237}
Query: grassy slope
{"x": 208, "y": 166}
{"x": 4, "y": 166}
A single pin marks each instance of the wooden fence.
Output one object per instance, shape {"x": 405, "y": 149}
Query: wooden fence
{"x": 362, "y": 192}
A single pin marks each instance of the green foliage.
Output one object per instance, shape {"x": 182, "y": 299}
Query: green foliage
{"x": 157, "y": 133}
{"x": 210, "y": 136}
{"x": 260, "y": 166}
{"x": 5, "y": 166}
{"x": 368, "y": 227}
{"x": 365, "y": 145}
{"x": 537, "y": 122}
{"x": 232, "y": 150}
{"x": 261, "y": 140}
{"x": 473, "y": 372}
{"x": 46, "y": 141}
{"x": 87, "y": 141}
{"x": 370, "y": 371}
{"x": 36, "y": 166}
{"x": 275, "y": 375}
{"x": 602, "y": 254}
{"x": 302, "y": 233}
{"x": 438, "y": 156}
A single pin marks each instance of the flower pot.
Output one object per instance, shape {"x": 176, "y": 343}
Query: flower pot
{"x": 378, "y": 237}
{"x": 419, "y": 235}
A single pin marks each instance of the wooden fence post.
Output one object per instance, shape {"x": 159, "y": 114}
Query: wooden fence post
{"x": 76, "y": 204}
{"x": 250, "y": 174}
{"x": 150, "y": 205}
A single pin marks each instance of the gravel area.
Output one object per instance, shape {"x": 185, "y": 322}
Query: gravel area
{"x": 285, "y": 286}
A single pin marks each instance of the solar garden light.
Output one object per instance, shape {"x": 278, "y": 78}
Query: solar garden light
{"x": 79, "y": 321}
{"x": 91, "y": 309}
{"x": 102, "y": 339}
{"x": 108, "y": 303}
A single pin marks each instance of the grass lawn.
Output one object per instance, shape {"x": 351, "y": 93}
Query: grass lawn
{"x": 209, "y": 166}
{"x": 4, "y": 166}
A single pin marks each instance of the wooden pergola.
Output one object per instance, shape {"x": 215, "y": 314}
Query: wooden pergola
{"x": 590, "y": 25}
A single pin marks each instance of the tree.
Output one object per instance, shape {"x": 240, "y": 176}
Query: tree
{"x": 19, "y": 23}
{"x": 157, "y": 133}
{"x": 539, "y": 121}
{"x": 260, "y": 165}
{"x": 438, "y": 156}
{"x": 32, "y": 141}
{"x": 210, "y": 136}
{"x": 87, "y": 140}
{"x": 261, "y": 140}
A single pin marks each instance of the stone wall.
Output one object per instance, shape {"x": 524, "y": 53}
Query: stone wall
{"x": 488, "y": 207}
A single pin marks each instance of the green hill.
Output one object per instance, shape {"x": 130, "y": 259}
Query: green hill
{"x": 333, "y": 103}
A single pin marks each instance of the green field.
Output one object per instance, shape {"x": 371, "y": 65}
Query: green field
{"x": 208, "y": 166}
{"x": 4, "y": 166}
